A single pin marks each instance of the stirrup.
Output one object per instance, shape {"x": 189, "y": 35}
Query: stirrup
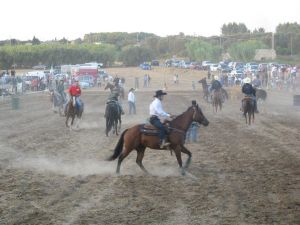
{"x": 164, "y": 144}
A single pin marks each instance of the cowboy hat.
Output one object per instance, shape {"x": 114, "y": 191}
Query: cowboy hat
{"x": 159, "y": 93}
{"x": 247, "y": 80}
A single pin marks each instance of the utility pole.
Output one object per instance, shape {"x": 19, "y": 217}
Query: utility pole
{"x": 272, "y": 41}
{"x": 291, "y": 44}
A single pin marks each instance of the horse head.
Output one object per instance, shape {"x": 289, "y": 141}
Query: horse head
{"x": 203, "y": 81}
{"x": 198, "y": 115}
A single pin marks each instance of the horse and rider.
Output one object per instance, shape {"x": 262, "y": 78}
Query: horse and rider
{"x": 215, "y": 86}
{"x": 250, "y": 92}
{"x": 155, "y": 135}
{"x": 58, "y": 97}
{"x": 75, "y": 106}
{"x": 113, "y": 112}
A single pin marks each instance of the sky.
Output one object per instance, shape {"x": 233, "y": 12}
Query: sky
{"x": 50, "y": 19}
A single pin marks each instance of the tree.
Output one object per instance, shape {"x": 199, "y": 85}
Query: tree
{"x": 245, "y": 50}
{"x": 35, "y": 41}
{"x": 234, "y": 28}
{"x": 134, "y": 55}
{"x": 202, "y": 50}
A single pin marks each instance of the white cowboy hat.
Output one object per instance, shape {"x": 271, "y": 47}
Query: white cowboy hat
{"x": 247, "y": 80}
{"x": 216, "y": 77}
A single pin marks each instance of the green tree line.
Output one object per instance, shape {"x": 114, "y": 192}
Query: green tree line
{"x": 134, "y": 48}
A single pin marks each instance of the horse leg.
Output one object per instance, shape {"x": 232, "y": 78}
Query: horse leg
{"x": 123, "y": 155}
{"x": 179, "y": 159}
{"x": 188, "y": 161}
{"x": 139, "y": 158}
{"x": 120, "y": 122}
{"x": 107, "y": 127}
{"x": 116, "y": 126}
{"x": 249, "y": 118}
{"x": 67, "y": 120}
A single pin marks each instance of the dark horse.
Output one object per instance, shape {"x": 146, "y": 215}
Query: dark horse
{"x": 113, "y": 117}
{"x": 248, "y": 108}
{"x": 261, "y": 94}
{"x": 217, "y": 100}
{"x": 72, "y": 111}
{"x": 119, "y": 89}
{"x": 205, "y": 88}
{"x": 207, "y": 95}
{"x": 57, "y": 101}
{"x": 137, "y": 138}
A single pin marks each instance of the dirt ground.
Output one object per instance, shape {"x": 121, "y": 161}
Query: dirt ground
{"x": 239, "y": 174}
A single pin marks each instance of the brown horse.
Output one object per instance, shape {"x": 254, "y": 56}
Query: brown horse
{"x": 248, "y": 108}
{"x": 217, "y": 100}
{"x": 136, "y": 138}
{"x": 72, "y": 111}
{"x": 205, "y": 88}
{"x": 119, "y": 89}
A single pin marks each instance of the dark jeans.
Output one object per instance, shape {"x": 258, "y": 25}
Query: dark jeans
{"x": 156, "y": 122}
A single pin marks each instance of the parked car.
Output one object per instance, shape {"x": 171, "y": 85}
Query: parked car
{"x": 155, "y": 63}
{"x": 89, "y": 79}
{"x": 39, "y": 67}
{"x": 214, "y": 67}
{"x": 145, "y": 66}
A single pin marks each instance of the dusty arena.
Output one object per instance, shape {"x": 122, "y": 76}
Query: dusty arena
{"x": 239, "y": 175}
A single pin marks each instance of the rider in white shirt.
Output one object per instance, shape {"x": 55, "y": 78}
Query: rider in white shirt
{"x": 157, "y": 112}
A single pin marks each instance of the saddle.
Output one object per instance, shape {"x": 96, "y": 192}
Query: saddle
{"x": 149, "y": 129}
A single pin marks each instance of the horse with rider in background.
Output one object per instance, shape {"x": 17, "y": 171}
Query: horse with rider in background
{"x": 113, "y": 112}
{"x": 208, "y": 90}
{"x": 141, "y": 136}
{"x": 117, "y": 88}
{"x": 57, "y": 102}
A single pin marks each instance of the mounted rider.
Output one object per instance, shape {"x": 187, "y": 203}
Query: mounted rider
{"x": 156, "y": 113}
{"x": 61, "y": 90}
{"x": 114, "y": 98}
{"x": 249, "y": 91}
{"x": 215, "y": 85}
{"x": 75, "y": 92}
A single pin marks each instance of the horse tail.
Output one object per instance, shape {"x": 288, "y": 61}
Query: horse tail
{"x": 118, "y": 148}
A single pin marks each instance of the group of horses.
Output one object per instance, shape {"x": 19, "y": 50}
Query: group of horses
{"x": 142, "y": 136}
{"x": 217, "y": 97}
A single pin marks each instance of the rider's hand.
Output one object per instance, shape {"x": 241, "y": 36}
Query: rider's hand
{"x": 172, "y": 116}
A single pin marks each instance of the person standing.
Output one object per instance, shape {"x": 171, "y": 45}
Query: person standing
{"x": 192, "y": 132}
{"x": 131, "y": 102}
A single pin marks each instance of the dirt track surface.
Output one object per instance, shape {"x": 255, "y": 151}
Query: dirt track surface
{"x": 239, "y": 174}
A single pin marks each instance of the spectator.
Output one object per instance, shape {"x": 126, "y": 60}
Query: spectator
{"x": 192, "y": 133}
{"x": 131, "y": 102}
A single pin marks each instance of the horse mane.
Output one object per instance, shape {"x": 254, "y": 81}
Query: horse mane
{"x": 180, "y": 116}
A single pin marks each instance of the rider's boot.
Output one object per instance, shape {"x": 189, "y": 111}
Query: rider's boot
{"x": 164, "y": 144}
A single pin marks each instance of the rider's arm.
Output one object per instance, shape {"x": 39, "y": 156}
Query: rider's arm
{"x": 160, "y": 111}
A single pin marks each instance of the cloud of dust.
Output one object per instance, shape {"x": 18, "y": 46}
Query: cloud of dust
{"x": 89, "y": 167}
{"x": 83, "y": 167}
